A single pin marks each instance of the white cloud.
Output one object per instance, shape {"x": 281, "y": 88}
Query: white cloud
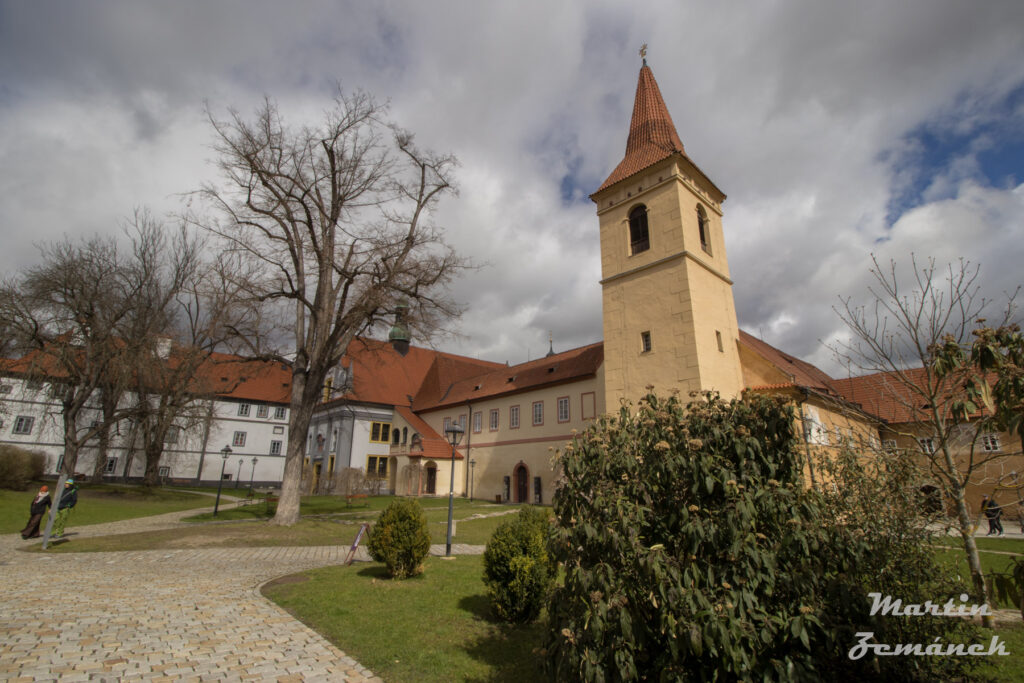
{"x": 799, "y": 110}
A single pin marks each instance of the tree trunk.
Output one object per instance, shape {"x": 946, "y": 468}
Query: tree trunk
{"x": 100, "y": 466}
{"x": 971, "y": 548}
{"x": 301, "y": 414}
{"x": 152, "y": 452}
{"x": 71, "y": 445}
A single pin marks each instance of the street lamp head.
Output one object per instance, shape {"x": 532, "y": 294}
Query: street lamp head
{"x": 472, "y": 462}
{"x": 254, "y": 460}
{"x": 226, "y": 452}
{"x": 454, "y": 432}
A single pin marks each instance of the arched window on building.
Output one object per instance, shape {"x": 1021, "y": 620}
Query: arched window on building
{"x": 639, "y": 237}
{"x": 704, "y": 229}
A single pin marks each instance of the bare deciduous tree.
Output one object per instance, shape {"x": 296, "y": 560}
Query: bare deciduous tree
{"x": 65, "y": 314}
{"x": 898, "y": 336}
{"x": 335, "y": 221}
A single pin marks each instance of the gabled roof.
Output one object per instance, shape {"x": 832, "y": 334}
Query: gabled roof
{"x": 229, "y": 376}
{"x": 892, "y": 397}
{"x": 382, "y": 375}
{"x": 434, "y": 445}
{"x": 442, "y": 390}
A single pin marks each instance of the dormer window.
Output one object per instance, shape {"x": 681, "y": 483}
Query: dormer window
{"x": 703, "y": 229}
{"x": 639, "y": 237}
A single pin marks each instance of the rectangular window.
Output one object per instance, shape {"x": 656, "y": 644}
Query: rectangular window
{"x": 262, "y": 411}
{"x": 173, "y": 432}
{"x": 330, "y": 465}
{"x": 645, "y": 342}
{"x": 588, "y": 405}
{"x": 377, "y": 467}
{"x": 478, "y": 422}
{"x": 275, "y": 447}
{"x": 243, "y": 410}
{"x": 513, "y": 417}
{"x": 380, "y": 432}
{"x": 563, "y": 409}
{"x": 462, "y": 421}
{"x": 280, "y": 412}
{"x": 493, "y": 426}
{"x": 447, "y": 425}
{"x": 889, "y": 445}
{"x": 990, "y": 443}
{"x": 279, "y": 430}
{"x": 23, "y": 424}
{"x": 5, "y": 388}
{"x": 163, "y": 472}
{"x": 718, "y": 338}
{"x": 538, "y": 413}
{"x": 111, "y": 466}
{"x": 927, "y": 445}
{"x": 239, "y": 439}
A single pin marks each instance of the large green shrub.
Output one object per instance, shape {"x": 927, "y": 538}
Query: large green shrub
{"x": 692, "y": 551}
{"x": 19, "y": 467}
{"x": 400, "y": 538}
{"x": 518, "y": 572}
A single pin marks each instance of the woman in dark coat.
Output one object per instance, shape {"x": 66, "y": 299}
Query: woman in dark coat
{"x": 36, "y": 512}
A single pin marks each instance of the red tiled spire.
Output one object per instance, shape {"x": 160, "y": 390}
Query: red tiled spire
{"x": 652, "y": 135}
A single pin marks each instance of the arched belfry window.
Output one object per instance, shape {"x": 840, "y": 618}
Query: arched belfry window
{"x": 639, "y": 237}
{"x": 702, "y": 228}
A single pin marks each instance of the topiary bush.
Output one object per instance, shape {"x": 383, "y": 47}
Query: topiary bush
{"x": 693, "y": 551}
{"x": 518, "y": 572}
{"x": 400, "y": 538}
{"x": 19, "y": 467}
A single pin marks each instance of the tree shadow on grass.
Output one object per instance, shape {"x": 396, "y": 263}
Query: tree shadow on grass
{"x": 379, "y": 571}
{"x": 512, "y": 651}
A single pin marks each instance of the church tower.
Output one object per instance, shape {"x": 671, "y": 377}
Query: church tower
{"x": 668, "y": 312}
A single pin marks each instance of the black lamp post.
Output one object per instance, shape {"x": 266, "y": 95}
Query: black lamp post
{"x": 253, "y": 475}
{"x": 454, "y": 433}
{"x": 472, "y": 467}
{"x": 225, "y": 454}
{"x": 238, "y": 477}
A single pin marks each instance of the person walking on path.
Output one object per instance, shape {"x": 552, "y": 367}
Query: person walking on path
{"x": 992, "y": 512}
{"x": 67, "y": 501}
{"x": 36, "y": 511}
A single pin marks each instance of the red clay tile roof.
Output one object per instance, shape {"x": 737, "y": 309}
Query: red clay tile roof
{"x": 889, "y": 397}
{"x": 381, "y": 375}
{"x": 800, "y": 372}
{"x": 229, "y": 376}
{"x": 575, "y": 364}
{"x": 435, "y": 447}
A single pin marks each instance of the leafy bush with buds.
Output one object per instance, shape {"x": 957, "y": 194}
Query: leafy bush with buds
{"x": 693, "y": 551}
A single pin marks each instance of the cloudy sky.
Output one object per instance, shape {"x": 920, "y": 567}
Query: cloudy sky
{"x": 837, "y": 129}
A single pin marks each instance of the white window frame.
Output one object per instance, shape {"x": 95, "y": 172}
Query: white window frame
{"x": 243, "y": 409}
{"x": 926, "y": 444}
{"x": 275, "y": 447}
{"x": 238, "y": 440}
{"x": 110, "y": 467}
{"x": 513, "y": 417}
{"x": 262, "y": 411}
{"x": 537, "y": 412}
{"x": 562, "y": 415}
{"x": 478, "y": 421}
{"x": 493, "y": 420}
{"x": 280, "y": 413}
{"x": 990, "y": 443}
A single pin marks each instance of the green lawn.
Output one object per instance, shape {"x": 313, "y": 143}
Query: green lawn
{"x": 381, "y": 622}
{"x": 101, "y": 503}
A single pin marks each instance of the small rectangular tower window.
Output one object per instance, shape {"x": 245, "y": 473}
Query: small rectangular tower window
{"x": 718, "y": 338}
{"x": 645, "y": 342}
{"x": 639, "y": 236}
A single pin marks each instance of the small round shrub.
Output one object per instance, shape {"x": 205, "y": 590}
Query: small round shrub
{"x": 517, "y": 569}
{"x": 400, "y": 538}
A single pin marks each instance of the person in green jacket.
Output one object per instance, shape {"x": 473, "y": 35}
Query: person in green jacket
{"x": 67, "y": 502}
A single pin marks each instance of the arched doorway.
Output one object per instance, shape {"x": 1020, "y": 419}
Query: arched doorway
{"x": 521, "y": 478}
{"x": 431, "y": 478}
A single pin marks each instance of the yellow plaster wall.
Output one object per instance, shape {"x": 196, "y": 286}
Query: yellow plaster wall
{"x": 675, "y": 290}
{"x": 498, "y": 453}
